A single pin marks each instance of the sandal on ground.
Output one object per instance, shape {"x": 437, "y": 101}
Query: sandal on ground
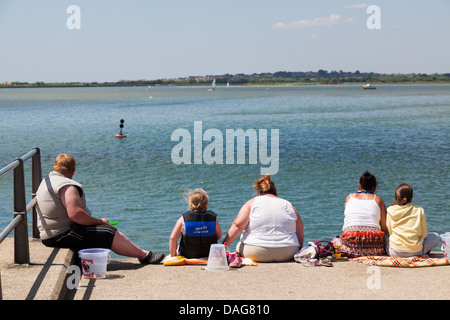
{"x": 152, "y": 258}
{"x": 326, "y": 262}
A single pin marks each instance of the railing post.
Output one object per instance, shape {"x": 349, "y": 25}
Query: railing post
{"x": 36, "y": 180}
{"x": 21, "y": 246}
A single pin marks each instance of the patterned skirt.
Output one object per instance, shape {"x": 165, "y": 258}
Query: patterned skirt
{"x": 360, "y": 241}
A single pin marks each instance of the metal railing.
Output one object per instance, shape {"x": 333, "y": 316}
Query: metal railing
{"x": 19, "y": 224}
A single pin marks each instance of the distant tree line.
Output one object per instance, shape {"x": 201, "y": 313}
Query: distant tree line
{"x": 276, "y": 78}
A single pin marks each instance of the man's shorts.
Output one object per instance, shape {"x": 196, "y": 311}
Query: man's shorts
{"x": 80, "y": 237}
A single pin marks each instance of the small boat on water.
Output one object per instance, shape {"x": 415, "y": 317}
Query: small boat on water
{"x": 369, "y": 86}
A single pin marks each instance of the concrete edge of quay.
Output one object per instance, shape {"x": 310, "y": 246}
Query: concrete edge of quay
{"x": 44, "y": 278}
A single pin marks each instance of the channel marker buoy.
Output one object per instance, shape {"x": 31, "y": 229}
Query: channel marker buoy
{"x": 120, "y": 134}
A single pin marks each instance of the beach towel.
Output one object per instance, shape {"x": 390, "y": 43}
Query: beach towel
{"x": 413, "y": 262}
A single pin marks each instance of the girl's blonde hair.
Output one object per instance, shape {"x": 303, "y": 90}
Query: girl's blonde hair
{"x": 265, "y": 186}
{"x": 197, "y": 199}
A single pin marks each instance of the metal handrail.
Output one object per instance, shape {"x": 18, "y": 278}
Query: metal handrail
{"x": 12, "y": 225}
{"x": 19, "y": 223}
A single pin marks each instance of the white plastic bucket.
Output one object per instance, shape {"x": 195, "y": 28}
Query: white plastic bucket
{"x": 94, "y": 262}
{"x": 446, "y": 245}
{"x": 445, "y": 239}
{"x": 217, "y": 260}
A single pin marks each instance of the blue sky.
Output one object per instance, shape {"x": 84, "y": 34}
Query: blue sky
{"x": 156, "y": 39}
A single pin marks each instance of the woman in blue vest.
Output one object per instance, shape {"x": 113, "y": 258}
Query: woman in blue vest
{"x": 197, "y": 227}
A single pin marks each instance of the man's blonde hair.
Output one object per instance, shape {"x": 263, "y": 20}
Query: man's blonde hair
{"x": 64, "y": 163}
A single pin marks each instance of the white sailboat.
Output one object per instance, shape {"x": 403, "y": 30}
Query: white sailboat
{"x": 213, "y": 85}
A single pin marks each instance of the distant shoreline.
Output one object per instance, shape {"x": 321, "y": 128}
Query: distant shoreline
{"x": 88, "y": 85}
{"x": 280, "y": 78}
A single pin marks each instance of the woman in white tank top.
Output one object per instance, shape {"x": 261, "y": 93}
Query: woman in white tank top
{"x": 362, "y": 209}
{"x": 364, "y": 220}
{"x": 271, "y": 227}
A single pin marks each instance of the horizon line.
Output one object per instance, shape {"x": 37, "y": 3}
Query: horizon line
{"x": 227, "y": 75}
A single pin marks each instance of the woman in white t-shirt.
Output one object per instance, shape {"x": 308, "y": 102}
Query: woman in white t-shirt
{"x": 271, "y": 227}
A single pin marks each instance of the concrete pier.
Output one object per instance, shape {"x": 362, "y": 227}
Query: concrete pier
{"x": 45, "y": 278}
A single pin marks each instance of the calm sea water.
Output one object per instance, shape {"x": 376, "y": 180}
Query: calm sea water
{"x": 327, "y": 138}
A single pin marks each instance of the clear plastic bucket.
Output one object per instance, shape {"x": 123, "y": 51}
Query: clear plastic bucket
{"x": 94, "y": 262}
{"x": 217, "y": 260}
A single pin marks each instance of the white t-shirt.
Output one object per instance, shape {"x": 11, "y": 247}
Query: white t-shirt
{"x": 272, "y": 223}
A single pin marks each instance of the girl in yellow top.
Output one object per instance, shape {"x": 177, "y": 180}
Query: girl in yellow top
{"x": 407, "y": 226}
